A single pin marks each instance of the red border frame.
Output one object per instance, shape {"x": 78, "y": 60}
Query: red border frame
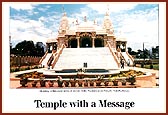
{"x": 70, "y": 1}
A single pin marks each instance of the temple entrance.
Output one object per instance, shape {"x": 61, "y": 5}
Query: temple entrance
{"x": 99, "y": 42}
{"x": 49, "y": 48}
{"x": 72, "y": 43}
{"x": 85, "y": 42}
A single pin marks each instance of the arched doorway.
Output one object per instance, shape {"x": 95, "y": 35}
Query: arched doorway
{"x": 72, "y": 43}
{"x": 99, "y": 42}
{"x": 85, "y": 42}
{"x": 49, "y": 48}
{"x": 123, "y": 47}
{"x": 55, "y": 46}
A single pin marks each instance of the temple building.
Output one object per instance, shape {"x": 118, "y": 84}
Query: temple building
{"x": 86, "y": 34}
{"x": 87, "y": 37}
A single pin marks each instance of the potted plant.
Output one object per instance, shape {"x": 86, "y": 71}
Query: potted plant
{"x": 94, "y": 84}
{"x": 91, "y": 83}
{"x": 123, "y": 81}
{"x": 102, "y": 83}
{"x": 106, "y": 83}
{"x": 115, "y": 82}
{"x": 151, "y": 66}
{"x": 142, "y": 65}
{"x": 80, "y": 83}
{"x": 23, "y": 81}
{"x": 132, "y": 79}
{"x": 98, "y": 82}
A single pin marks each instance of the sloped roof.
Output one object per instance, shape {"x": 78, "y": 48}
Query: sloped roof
{"x": 121, "y": 39}
{"x": 51, "y": 40}
{"x": 70, "y": 32}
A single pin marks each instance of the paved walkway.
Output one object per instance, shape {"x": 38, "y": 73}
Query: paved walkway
{"x": 143, "y": 83}
{"x": 12, "y": 75}
{"x": 145, "y": 70}
{"x": 148, "y": 83}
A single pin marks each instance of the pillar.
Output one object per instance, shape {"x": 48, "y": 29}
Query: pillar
{"x": 93, "y": 42}
{"x": 52, "y": 46}
{"x": 125, "y": 46}
{"x": 47, "y": 46}
{"x": 105, "y": 42}
{"x": 78, "y": 43}
{"x": 114, "y": 42}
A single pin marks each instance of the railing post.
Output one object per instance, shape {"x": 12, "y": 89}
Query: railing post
{"x": 57, "y": 56}
{"x": 43, "y": 57}
{"x": 115, "y": 57}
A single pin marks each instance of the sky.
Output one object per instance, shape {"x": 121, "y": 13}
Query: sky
{"x": 138, "y": 23}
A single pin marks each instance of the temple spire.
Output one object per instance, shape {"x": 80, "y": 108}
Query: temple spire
{"x": 77, "y": 22}
{"x": 85, "y": 20}
{"x": 63, "y": 10}
{"x": 95, "y": 21}
{"x": 107, "y": 12}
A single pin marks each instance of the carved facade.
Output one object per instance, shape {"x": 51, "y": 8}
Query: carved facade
{"x": 87, "y": 34}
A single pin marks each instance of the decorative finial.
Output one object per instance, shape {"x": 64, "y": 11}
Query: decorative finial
{"x": 107, "y": 12}
{"x": 76, "y": 21}
{"x": 95, "y": 22}
{"x": 85, "y": 20}
{"x": 108, "y": 7}
{"x": 73, "y": 23}
{"x": 63, "y": 10}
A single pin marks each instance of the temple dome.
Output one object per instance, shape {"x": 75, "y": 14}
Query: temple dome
{"x": 86, "y": 26}
{"x": 64, "y": 23}
{"x": 64, "y": 17}
{"x": 107, "y": 23}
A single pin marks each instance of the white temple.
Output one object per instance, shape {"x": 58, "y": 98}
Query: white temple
{"x": 86, "y": 42}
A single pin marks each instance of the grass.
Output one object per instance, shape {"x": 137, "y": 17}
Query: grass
{"x": 23, "y": 68}
{"x": 155, "y": 66}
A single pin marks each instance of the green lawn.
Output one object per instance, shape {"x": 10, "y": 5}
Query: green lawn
{"x": 155, "y": 66}
{"x": 23, "y": 68}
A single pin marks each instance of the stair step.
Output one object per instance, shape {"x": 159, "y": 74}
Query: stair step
{"x": 94, "y": 57}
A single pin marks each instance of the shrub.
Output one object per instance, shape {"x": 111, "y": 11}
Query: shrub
{"x": 23, "y": 81}
{"x": 17, "y": 69}
{"x": 36, "y": 67}
{"x": 142, "y": 65}
{"x": 151, "y": 66}
{"x": 131, "y": 79}
{"x": 22, "y": 69}
{"x": 28, "y": 68}
{"x": 12, "y": 70}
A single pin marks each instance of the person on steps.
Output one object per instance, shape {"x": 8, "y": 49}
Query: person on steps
{"x": 122, "y": 63}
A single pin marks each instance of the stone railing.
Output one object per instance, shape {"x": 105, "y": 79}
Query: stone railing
{"x": 24, "y": 60}
{"x": 57, "y": 55}
{"x": 43, "y": 57}
{"x": 70, "y": 83}
{"x": 132, "y": 59}
{"x": 114, "y": 55}
{"x": 123, "y": 57}
{"x": 50, "y": 59}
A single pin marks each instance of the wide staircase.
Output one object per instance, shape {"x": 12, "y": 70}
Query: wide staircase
{"x": 96, "y": 58}
{"x": 126, "y": 57}
{"x": 44, "y": 62}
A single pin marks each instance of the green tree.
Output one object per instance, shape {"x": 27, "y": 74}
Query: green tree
{"x": 28, "y": 48}
{"x": 39, "y": 48}
{"x": 146, "y": 53}
{"x": 155, "y": 52}
{"x": 129, "y": 50}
